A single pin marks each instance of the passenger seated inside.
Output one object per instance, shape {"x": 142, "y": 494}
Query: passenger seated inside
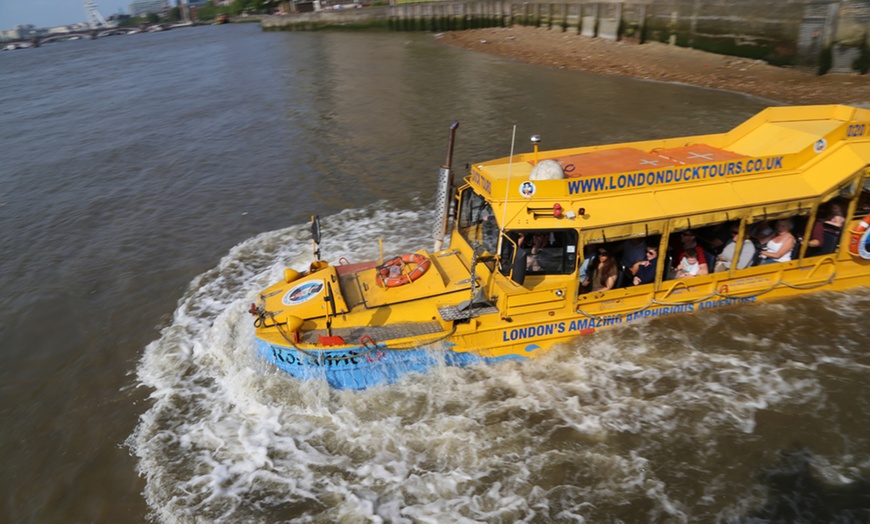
{"x": 761, "y": 232}
{"x": 644, "y": 271}
{"x": 538, "y": 259}
{"x": 826, "y": 231}
{"x": 603, "y": 276}
{"x": 779, "y": 247}
{"x": 688, "y": 240}
{"x": 817, "y": 237}
{"x": 589, "y": 252}
{"x": 539, "y": 253}
{"x": 747, "y": 252}
{"x": 833, "y": 228}
{"x": 691, "y": 265}
{"x": 836, "y": 217}
{"x": 714, "y": 238}
{"x": 633, "y": 250}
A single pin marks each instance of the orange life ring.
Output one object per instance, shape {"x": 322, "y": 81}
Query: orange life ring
{"x": 860, "y": 237}
{"x": 421, "y": 266}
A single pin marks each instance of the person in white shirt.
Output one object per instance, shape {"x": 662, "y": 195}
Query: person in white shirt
{"x": 779, "y": 247}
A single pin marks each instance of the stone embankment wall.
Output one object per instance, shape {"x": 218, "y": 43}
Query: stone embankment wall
{"x": 826, "y": 35}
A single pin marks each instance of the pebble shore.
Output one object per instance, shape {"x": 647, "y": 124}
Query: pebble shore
{"x": 661, "y": 62}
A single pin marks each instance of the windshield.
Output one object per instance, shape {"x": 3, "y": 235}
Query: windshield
{"x": 546, "y": 252}
{"x": 476, "y": 221}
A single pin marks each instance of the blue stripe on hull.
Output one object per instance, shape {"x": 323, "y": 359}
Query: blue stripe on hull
{"x": 360, "y": 367}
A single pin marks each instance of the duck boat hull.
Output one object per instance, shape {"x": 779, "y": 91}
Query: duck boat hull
{"x": 360, "y": 367}
{"x": 545, "y": 246}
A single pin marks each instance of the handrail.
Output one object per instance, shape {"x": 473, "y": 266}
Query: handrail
{"x": 677, "y": 283}
{"x": 717, "y": 293}
{"x": 823, "y": 259}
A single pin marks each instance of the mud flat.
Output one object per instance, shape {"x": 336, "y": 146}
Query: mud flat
{"x": 664, "y": 63}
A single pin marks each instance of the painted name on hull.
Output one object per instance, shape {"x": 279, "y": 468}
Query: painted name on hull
{"x": 581, "y": 324}
{"x": 348, "y": 358}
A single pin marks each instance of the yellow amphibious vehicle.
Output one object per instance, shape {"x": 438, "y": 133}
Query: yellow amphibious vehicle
{"x": 548, "y": 245}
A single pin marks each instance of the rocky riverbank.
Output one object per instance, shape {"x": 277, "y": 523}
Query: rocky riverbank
{"x": 664, "y": 63}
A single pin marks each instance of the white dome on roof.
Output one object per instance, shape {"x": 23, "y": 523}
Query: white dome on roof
{"x": 547, "y": 170}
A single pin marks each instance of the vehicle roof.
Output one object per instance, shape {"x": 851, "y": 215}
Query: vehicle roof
{"x": 781, "y": 158}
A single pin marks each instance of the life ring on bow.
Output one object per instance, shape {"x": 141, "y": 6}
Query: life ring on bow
{"x": 387, "y": 273}
{"x": 860, "y": 237}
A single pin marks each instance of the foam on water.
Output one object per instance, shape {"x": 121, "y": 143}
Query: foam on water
{"x": 657, "y": 421}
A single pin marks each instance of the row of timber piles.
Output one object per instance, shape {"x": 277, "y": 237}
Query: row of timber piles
{"x": 827, "y": 35}
{"x": 604, "y": 20}
{"x": 450, "y": 16}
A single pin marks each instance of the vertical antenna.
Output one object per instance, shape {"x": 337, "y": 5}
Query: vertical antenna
{"x": 507, "y": 190}
{"x": 508, "y": 184}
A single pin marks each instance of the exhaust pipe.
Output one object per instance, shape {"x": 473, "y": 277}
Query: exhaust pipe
{"x": 445, "y": 190}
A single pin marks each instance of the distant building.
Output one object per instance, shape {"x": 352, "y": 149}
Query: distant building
{"x": 116, "y": 19}
{"x": 19, "y": 32}
{"x": 189, "y": 7}
{"x": 144, "y": 7}
{"x": 61, "y": 29}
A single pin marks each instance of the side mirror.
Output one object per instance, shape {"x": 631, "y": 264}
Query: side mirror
{"x": 315, "y": 228}
{"x": 518, "y": 270}
{"x": 315, "y": 234}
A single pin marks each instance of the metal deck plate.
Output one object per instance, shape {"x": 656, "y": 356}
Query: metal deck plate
{"x": 454, "y": 313}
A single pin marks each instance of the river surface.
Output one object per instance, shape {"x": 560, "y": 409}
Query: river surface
{"x": 150, "y": 185}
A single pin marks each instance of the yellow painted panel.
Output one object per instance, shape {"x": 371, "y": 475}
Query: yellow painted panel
{"x": 759, "y": 191}
{"x": 516, "y": 169}
{"x": 693, "y": 200}
{"x": 828, "y": 174}
{"x": 783, "y": 138}
{"x": 536, "y": 297}
{"x": 618, "y": 209}
{"x": 536, "y": 301}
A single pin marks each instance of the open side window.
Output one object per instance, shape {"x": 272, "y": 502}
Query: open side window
{"x": 538, "y": 252}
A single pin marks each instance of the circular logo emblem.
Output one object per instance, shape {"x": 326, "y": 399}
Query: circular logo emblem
{"x": 302, "y": 293}
{"x": 820, "y": 145}
{"x": 864, "y": 245}
{"x": 527, "y": 189}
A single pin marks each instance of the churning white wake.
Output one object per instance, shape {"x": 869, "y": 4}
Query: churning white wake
{"x": 646, "y": 422}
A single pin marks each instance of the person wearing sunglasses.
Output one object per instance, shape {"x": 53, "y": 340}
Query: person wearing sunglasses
{"x": 644, "y": 271}
{"x": 603, "y": 277}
